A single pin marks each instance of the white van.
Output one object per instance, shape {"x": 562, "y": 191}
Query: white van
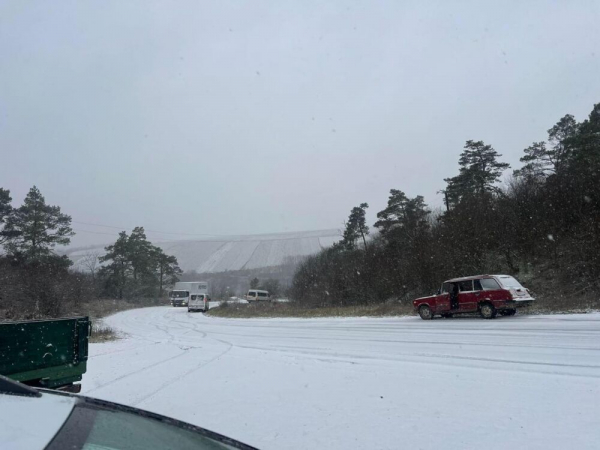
{"x": 183, "y": 290}
{"x": 198, "y": 302}
{"x": 255, "y": 295}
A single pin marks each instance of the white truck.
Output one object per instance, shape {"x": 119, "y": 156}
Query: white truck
{"x": 186, "y": 291}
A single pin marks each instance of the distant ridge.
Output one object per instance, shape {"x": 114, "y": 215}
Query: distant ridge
{"x": 226, "y": 253}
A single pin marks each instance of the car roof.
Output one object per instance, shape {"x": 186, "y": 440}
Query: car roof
{"x": 473, "y": 277}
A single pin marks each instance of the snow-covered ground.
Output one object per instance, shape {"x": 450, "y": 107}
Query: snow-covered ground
{"x": 519, "y": 382}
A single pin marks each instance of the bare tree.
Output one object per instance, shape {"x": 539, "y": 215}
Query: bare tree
{"x": 90, "y": 262}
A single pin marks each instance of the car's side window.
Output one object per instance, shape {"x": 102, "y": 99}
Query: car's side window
{"x": 477, "y": 285}
{"x": 489, "y": 284}
{"x": 465, "y": 286}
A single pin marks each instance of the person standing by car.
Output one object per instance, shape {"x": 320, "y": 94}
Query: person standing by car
{"x": 454, "y": 296}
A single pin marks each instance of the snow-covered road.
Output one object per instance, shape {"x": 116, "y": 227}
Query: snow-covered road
{"x": 520, "y": 382}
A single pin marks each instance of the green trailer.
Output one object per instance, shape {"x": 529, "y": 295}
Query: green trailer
{"x": 45, "y": 353}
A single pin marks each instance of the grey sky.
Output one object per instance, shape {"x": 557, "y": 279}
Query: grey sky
{"x": 252, "y": 117}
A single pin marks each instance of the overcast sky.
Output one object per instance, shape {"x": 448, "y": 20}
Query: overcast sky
{"x": 233, "y": 117}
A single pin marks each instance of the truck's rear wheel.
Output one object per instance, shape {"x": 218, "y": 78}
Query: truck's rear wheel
{"x": 425, "y": 312}
{"x": 487, "y": 311}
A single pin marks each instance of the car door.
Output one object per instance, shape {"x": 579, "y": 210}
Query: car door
{"x": 442, "y": 300}
{"x": 467, "y": 297}
{"x": 492, "y": 291}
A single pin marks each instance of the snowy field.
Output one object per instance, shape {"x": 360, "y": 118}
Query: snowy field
{"x": 397, "y": 383}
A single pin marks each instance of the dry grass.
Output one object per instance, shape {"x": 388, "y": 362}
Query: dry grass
{"x": 103, "y": 307}
{"x": 271, "y": 310}
{"x": 97, "y": 309}
{"x": 560, "y": 304}
{"x": 102, "y": 333}
{"x": 543, "y": 305}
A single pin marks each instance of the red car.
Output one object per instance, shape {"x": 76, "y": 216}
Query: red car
{"x": 486, "y": 294}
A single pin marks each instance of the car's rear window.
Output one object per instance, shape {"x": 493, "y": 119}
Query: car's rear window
{"x": 509, "y": 282}
{"x": 489, "y": 284}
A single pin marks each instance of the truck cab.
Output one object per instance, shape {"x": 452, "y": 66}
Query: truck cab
{"x": 487, "y": 294}
{"x": 179, "y": 297}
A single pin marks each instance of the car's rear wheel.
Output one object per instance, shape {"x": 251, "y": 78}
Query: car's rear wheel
{"x": 425, "y": 312}
{"x": 487, "y": 311}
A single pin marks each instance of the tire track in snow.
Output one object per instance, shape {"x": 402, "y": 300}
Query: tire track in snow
{"x": 135, "y": 372}
{"x": 180, "y": 377}
{"x": 425, "y": 358}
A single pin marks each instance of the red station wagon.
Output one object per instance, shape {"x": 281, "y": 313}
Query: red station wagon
{"x": 486, "y": 294}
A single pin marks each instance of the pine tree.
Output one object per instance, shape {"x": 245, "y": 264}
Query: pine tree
{"x": 35, "y": 228}
{"x": 587, "y": 142}
{"x": 140, "y": 252}
{"x": 537, "y": 161}
{"x": 402, "y": 214}
{"x": 119, "y": 266}
{"x": 356, "y": 227}
{"x": 561, "y": 138}
{"x": 167, "y": 269}
{"x": 542, "y": 160}
{"x": 137, "y": 268}
{"x": 393, "y": 214}
{"x": 5, "y": 211}
{"x": 479, "y": 171}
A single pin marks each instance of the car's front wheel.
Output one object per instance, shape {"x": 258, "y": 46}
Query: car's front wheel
{"x": 487, "y": 311}
{"x": 425, "y": 312}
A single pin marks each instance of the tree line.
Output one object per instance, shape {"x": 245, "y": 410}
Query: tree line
{"x": 542, "y": 225}
{"x": 37, "y": 281}
{"x": 133, "y": 267}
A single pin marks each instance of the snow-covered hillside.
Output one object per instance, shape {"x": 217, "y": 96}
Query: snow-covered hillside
{"x": 237, "y": 252}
